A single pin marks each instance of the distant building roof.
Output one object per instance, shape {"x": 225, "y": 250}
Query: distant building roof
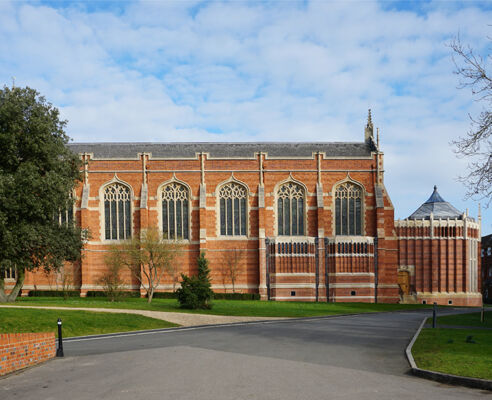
{"x": 224, "y": 150}
{"x": 438, "y": 207}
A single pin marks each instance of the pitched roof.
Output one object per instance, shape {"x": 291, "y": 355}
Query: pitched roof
{"x": 438, "y": 207}
{"x": 224, "y": 150}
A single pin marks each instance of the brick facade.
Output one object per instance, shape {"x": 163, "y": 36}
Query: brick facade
{"x": 486, "y": 258}
{"x": 317, "y": 265}
{"x": 22, "y": 350}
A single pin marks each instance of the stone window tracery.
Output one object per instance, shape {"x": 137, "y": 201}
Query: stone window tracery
{"x": 175, "y": 211}
{"x": 8, "y": 273}
{"x": 232, "y": 199}
{"x": 117, "y": 212}
{"x": 348, "y": 209}
{"x": 290, "y": 209}
{"x": 66, "y": 216}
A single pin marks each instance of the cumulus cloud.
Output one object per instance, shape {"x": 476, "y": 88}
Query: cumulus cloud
{"x": 239, "y": 71}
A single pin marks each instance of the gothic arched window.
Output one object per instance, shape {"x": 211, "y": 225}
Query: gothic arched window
{"x": 65, "y": 217}
{"x": 117, "y": 212}
{"x": 175, "y": 206}
{"x": 290, "y": 209}
{"x": 348, "y": 209}
{"x": 232, "y": 198}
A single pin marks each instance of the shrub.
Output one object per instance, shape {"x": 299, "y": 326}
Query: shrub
{"x": 54, "y": 293}
{"x": 101, "y": 293}
{"x": 195, "y": 291}
{"x": 165, "y": 295}
{"x": 236, "y": 296}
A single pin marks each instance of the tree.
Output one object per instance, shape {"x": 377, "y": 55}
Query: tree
{"x": 148, "y": 257}
{"x": 174, "y": 272}
{"x": 111, "y": 278}
{"x": 37, "y": 176}
{"x": 231, "y": 266}
{"x": 196, "y": 291}
{"x": 66, "y": 278}
{"x": 473, "y": 72}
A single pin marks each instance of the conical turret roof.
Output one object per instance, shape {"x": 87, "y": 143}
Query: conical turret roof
{"x": 438, "y": 207}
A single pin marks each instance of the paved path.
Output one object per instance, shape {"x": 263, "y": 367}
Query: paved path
{"x": 183, "y": 319}
{"x": 351, "y": 357}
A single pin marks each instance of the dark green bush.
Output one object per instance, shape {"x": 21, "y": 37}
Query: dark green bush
{"x": 53, "y": 293}
{"x": 165, "y": 295}
{"x": 195, "y": 291}
{"x": 102, "y": 293}
{"x": 236, "y": 296}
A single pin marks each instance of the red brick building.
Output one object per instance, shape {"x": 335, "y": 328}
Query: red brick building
{"x": 486, "y": 254}
{"x": 312, "y": 221}
{"x": 438, "y": 255}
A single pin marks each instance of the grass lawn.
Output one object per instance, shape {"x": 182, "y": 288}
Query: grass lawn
{"x": 224, "y": 307}
{"x": 471, "y": 319}
{"x": 446, "y": 350}
{"x": 75, "y": 323}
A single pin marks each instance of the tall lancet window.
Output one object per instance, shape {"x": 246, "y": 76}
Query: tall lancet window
{"x": 117, "y": 212}
{"x": 175, "y": 211}
{"x": 66, "y": 216}
{"x": 290, "y": 209}
{"x": 348, "y": 209}
{"x": 232, "y": 198}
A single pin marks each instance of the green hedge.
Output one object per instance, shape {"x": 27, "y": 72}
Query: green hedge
{"x": 102, "y": 293}
{"x": 217, "y": 296}
{"x": 53, "y": 293}
{"x": 164, "y": 295}
{"x": 236, "y": 296}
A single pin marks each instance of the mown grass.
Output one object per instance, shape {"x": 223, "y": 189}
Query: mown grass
{"x": 471, "y": 319}
{"x": 448, "y": 351}
{"x": 224, "y": 307}
{"x": 75, "y": 323}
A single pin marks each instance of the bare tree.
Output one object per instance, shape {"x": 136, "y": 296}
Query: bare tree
{"x": 64, "y": 278}
{"x": 111, "y": 278}
{"x": 477, "y": 144}
{"x": 174, "y": 271}
{"x": 232, "y": 260}
{"x": 148, "y": 257}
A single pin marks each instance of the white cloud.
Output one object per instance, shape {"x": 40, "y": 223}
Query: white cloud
{"x": 257, "y": 71}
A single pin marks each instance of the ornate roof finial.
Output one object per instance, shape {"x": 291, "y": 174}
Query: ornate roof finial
{"x": 377, "y": 139}
{"x": 435, "y": 188}
{"x": 369, "y": 131}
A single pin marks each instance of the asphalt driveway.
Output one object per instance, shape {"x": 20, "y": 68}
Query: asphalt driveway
{"x": 351, "y": 357}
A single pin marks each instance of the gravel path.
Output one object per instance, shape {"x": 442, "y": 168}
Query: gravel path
{"x": 183, "y": 319}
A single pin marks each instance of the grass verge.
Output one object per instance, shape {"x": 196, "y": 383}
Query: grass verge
{"x": 75, "y": 323}
{"x": 449, "y": 351}
{"x": 470, "y": 319}
{"x": 224, "y": 307}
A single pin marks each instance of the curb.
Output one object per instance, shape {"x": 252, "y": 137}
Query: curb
{"x": 441, "y": 377}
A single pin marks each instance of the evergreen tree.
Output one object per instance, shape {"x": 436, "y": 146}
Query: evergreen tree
{"x": 37, "y": 175}
{"x": 196, "y": 291}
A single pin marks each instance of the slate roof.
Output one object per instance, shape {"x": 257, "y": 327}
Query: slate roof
{"x": 223, "y": 150}
{"x": 439, "y": 208}
{"x": 486, "y": 241}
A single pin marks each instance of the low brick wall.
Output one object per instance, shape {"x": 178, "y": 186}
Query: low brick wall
{"x": 21, "y": 350}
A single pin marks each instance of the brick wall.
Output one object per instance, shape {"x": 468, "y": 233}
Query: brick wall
{"x": 21, "y": 350}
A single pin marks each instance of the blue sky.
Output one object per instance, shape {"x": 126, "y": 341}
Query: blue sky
{"x": 259, "y": 71}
